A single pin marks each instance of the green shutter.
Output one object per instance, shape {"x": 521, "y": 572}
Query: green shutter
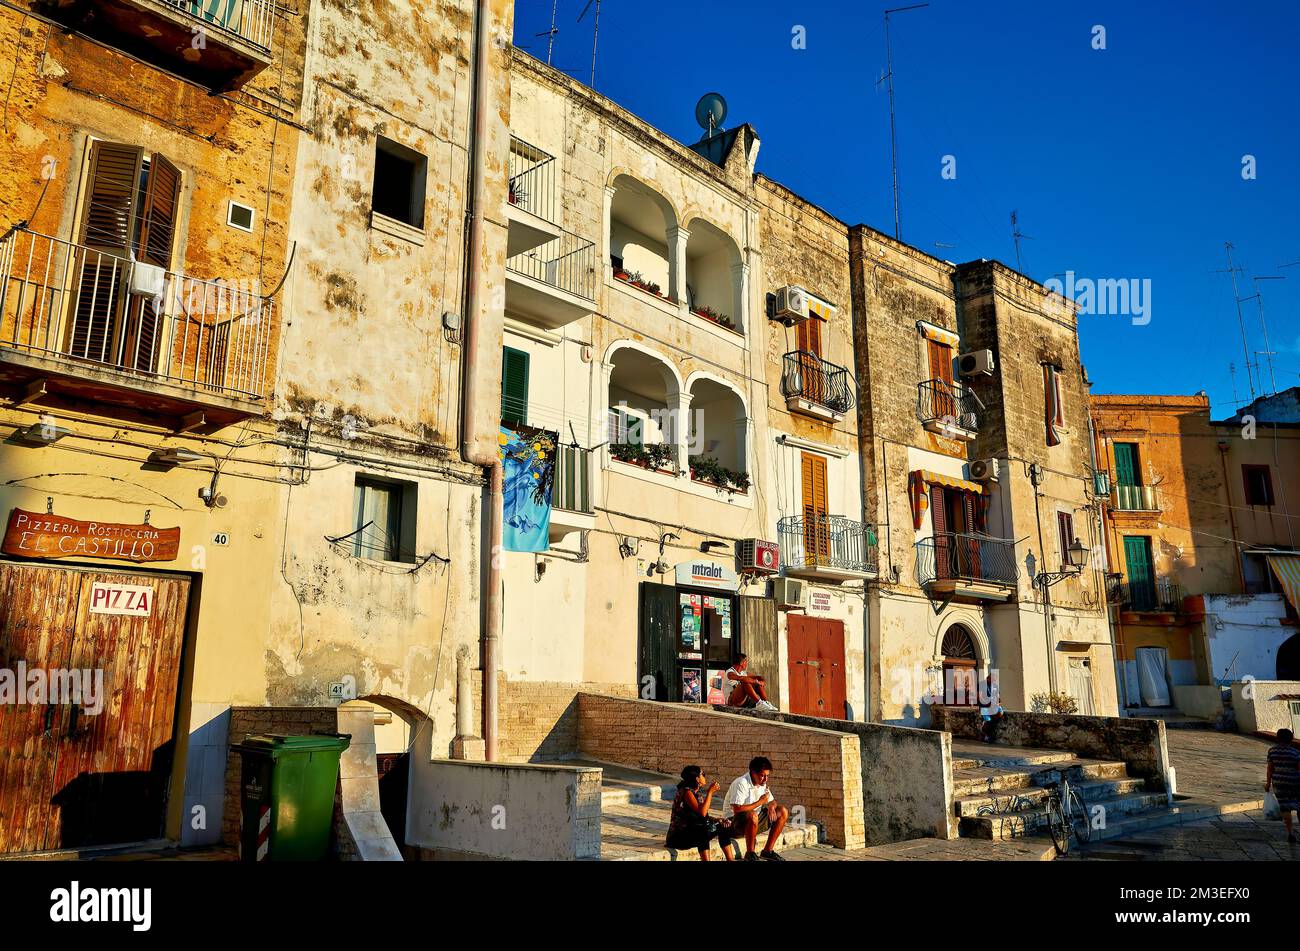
{"x": 514, "y": 386}
{"x": 1141, "y": 577}
{"x": 1126, "y": 467}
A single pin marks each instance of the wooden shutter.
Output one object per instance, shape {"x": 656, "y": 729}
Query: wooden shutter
{"x": 940, "y": 361}
{"x": 1141, "y": 578}
{"x": 808, "y": 333}
{"x": 514, "y": 386}
{"x": 158, "y": 215}
{"x": 107, "y": 229}
{"x": 942, "y": 540}
{"x": 1126, "y": 467}
{"x": 1055, "y": 415}
{"x": 815, "y": 526}
{"x": 1065, "y": 533}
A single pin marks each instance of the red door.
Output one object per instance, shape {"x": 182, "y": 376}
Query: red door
{"x": 818, "y": 685}
{"x": 71, "y": 776}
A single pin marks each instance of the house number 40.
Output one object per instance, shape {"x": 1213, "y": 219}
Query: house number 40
{"x": 221, "y": 538}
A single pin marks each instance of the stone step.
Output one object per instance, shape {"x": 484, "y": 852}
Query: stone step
{"x": 634, "y": 832}
{"x": 1024, "y": 797}
{"x": 986, "y": 779}
{"x": 1034, "y": 821}
{"x": 638, "y": 793}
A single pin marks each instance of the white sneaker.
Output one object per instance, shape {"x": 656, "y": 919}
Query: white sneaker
{"x": 764, "y": 705}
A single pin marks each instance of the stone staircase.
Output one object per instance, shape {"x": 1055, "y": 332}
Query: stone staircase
{"x": 1000, "y": 792}
{"x": 635, "y": 808}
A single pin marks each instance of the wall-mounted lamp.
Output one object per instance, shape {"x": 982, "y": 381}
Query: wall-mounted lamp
{"x": 42, "y": 434}
{"x": 710, "y": 544}
{"x": 174, "y": 457}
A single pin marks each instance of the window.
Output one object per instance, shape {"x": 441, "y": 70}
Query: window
{"x": 239, "y": 216}
{"x": 1053, "y": 408}
{"x": 398, "y": 190}
{"x": 626, "y": 428}
{"x": 514, "y": 387}
{"x": 384, "y": 520}
{"x": 1127, "y": 471}
{"x": 1259, "y": 485}
{"x": 816, "y": 524}
{"x": 1065, "y": 535}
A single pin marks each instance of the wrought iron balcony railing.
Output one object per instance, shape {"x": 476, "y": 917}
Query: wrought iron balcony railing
{"x": 1160, "y": 594}
{"x": 953, "y": 556}
{"x": 828, "y": 541}
{"x": 567, "y": 263}
{"x": 1135, "y": 498}
{"x": 949, "y": 404}
{"x": 571, "y": 488}
{"x": 808, "y": 376}
{"x": 252, "y": 20}
{"x": 532, "y": 180}
{"x": 80, "y": 306}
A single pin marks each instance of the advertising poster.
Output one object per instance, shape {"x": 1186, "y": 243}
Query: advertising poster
{"x": 691, "y": 685}
{"x": 717, "y": 686}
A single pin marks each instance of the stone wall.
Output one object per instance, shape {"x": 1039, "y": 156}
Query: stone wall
{"x": 539, "y": 719}
{"x": 1138, "y": 742}
{"x": 818, "y": 770}
{"x": 906, "y": 776}
{"x": 1260, "y": 707}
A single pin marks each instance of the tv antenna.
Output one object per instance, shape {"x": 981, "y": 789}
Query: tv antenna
{"x": 893, "y": 131}
{"x": 1016, "y": 236}
{"x": 710, "y": 113}
{"x": 595, "y": 36}
{"x": 1232, "y": 372}
{"x": 1263, "y": 325}
{"x": 1232, "y": 269}
{"x": 550, "y": 34}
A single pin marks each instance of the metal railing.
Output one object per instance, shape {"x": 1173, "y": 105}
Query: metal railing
{"x": 1135, "y": 498}
{"x": 532, "y": 180}
{"x": 827, "y": 541}
{"x": 966, "y": 557}
{"x": 1160, "y": 594}
{"x": 571, "y": 485}
{"x": 72, "y": 303}
{"x": 251, "y": 20}
{"x": 567, "y": 263}
{"x": 944, "y": 402}
{"x": 808, "y": 376}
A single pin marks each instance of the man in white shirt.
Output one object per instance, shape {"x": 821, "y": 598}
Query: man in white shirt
{"x": 746, "y": 690}
{"x": 752, "y": 809}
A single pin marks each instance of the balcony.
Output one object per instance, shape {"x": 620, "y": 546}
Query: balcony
{"x": 531, "y": 206}
{"x": 816, "y": 388}
{"x": 1135, "y": 498}
{"x": 1154, "y": 596}
{"x": 948, "y": 409}
{"x": 966, "y": 567}
{"x": 571, "y": 508}
{"x": 87, "y": 328}
{"x": 236, "y": 35}
{"x": 553, "y": 284}
{"x": 827, "y": 547}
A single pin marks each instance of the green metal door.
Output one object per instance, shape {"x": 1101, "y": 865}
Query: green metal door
{"x": 1126, "y": 467}
{"x": 1141, "y": 577}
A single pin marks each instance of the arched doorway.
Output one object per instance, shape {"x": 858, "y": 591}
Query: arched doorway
{"x": 1288, "y": 659}
{"x": 960, "y": 662}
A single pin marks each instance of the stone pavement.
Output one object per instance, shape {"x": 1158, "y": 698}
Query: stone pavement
{"x": 1240, "y": 836}
{"x": 1218, "y": 767}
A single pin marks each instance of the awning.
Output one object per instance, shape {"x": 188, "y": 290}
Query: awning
{"x": 948, "y": 482}
{"x": 938, "y": 334}
{"x": 1287, "y": 569}
{"x": 821, "y": 308}
{"x": 918, "y": 483}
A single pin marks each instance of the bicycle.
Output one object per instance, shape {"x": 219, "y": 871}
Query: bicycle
{"x": 1067, "y": 817}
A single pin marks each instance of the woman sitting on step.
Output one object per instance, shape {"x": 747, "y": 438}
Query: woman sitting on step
{"x": 690, "y": 826}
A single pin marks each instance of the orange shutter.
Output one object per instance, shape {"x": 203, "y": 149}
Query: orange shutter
{"x": 816, "y": 529}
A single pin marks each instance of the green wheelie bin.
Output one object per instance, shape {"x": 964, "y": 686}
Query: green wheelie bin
{"x": 286, "y": 795}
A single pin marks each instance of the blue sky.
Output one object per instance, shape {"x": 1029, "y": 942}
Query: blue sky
{"x": 1122, "y": 163}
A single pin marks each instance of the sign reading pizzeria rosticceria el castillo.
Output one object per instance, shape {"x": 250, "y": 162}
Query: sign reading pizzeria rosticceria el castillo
{"x": 30, "y": 535}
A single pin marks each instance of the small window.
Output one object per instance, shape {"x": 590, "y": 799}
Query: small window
{"x": 514, "y": 387}
{"x": 398, "y": 190}
{"x": 1259, "y": 485}
{"x": 239, "y": 216}
{"x": 1065, "y": 534}
{"x": 384, "y": 520}
{"x": 1053, "y": 407}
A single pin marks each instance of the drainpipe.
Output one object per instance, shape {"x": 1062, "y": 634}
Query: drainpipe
{"x": 1232, "y": 517}
{"x": 1117, "y": 660}
{"x": 475, "y": 308}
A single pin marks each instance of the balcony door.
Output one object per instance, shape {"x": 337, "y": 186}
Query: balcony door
{"x": 1141, "y": 573}
{"x": 816, "y": 523}
{"x": 945, "y": 400}
{"x": 955, "y": 515}
{"x": 1128, "y": 476}
{"x": 808, "y": 334}
{"x": 130, "y": 208}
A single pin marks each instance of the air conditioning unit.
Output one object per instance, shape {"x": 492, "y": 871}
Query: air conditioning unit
{"x": 983, "y": 470}
{"x": 759, "y": 556}
{"x": 976, "y": 362}
{"x": 789, "y": 593}
{"x": 791, "y": 305}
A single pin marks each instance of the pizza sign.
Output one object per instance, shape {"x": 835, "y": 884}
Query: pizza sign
{"x": 31, "y": 535}
{"x": 131, "y": 600}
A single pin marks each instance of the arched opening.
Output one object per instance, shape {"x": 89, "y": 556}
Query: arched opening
{"x": 960, "y": 663}
{"x": 639, "y": 245}
{"x": 717, "y": 436}
{"x": 713, "y": 282}
{"x": 1288, "y": 659}
{"x": 396, "y": 723}
{"x": 642, "y": 411}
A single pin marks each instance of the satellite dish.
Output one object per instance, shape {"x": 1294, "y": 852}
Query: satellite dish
{"x": 711, "y": 112}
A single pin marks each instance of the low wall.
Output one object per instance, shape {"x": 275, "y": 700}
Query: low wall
{"x": 1199, "y": 701}
{"x": 906, "y": 776}
{"x": 1259, "y": 706}
{"x": 539, "y": 719}
{"x": 816, "y": 769}
{"x": 1138, "y": 742}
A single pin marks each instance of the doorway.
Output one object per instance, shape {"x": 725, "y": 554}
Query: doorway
{"x": 88, "y": 766}
{"x": 818, "y": 685}
{"x": 960, "y": 684}
{"x": 1079, "y": 684}
{"x": 1153, "y": 676}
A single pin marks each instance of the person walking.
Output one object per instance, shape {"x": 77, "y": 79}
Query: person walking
{"x": 1283, "y": 778}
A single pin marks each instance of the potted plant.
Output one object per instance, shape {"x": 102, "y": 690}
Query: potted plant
{"x": 708, "y": 313}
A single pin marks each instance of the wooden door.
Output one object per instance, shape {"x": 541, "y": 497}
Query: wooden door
{"x": 105, "y": 774}
{"x": 816, "y": 525}
{"x": 818, "y": 683}
{"x": 809, "y": 336}
{"x": 758, "y": 633}
{"x": 657, "y": 645}
{"x": 1141, "y": 576}
{"x": 945, "y": 403}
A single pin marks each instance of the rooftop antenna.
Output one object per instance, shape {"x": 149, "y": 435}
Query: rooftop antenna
{"x": 1263, "y": 325}
{"x": 1232, "y": 372}
{"x": 1016, "y": 235}
{"x": 1241, "y": 322}
{"x": 595, "y": 36}
{"x": 550, "y": 34}
{"x": 893, "y": 132}
{"x": 710, "y": 113}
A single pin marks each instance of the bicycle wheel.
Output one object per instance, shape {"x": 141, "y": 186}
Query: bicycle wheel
{"x": 1057, "y": 826}
{"x": 1081, "y": 819}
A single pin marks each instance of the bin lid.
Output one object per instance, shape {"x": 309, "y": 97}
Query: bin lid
{"x": 277, "y": 744}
